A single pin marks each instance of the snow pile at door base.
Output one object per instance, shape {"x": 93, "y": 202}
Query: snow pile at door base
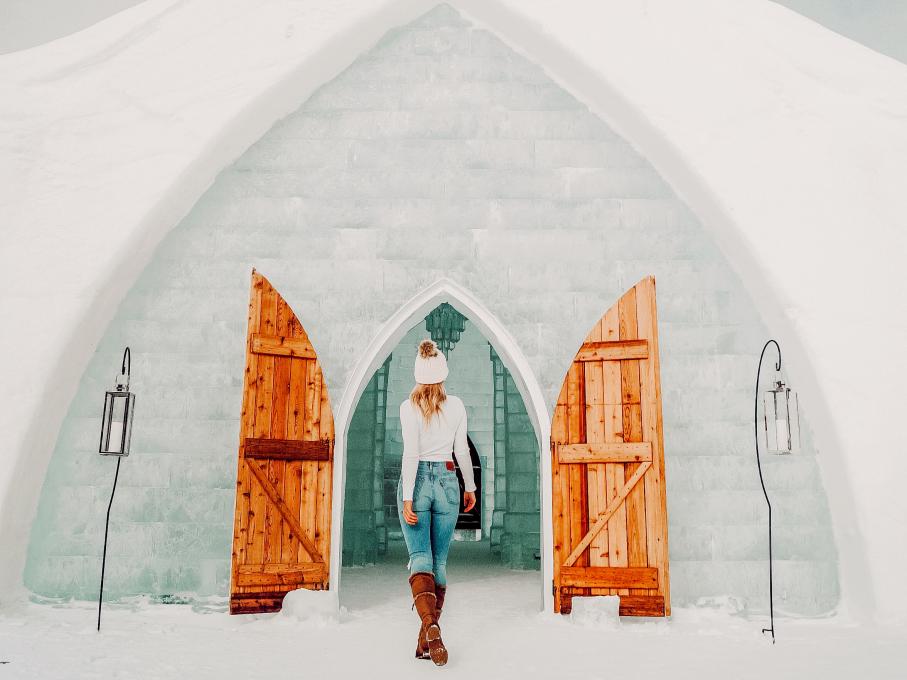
{"x": 788, "y": 141}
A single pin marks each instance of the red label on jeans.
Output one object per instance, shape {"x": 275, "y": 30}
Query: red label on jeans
{"x": 450, "y": 465}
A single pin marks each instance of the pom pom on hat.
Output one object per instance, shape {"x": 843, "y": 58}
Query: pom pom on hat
{"x": 431, "y": 364}
{"x": 428, "y": 349}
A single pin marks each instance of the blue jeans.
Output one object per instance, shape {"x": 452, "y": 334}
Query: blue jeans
{"x": 436, "y": 501}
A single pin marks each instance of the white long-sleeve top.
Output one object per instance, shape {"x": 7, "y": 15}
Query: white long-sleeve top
{"x": 434, "y": 441}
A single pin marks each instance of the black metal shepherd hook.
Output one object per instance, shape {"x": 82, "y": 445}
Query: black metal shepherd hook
{"x": 125, "y": 369}
{"x": 106, "y": 528}
{"x": 771, "y": 609}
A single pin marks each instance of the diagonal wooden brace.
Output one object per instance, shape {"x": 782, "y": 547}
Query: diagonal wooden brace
{"x": 602, "y": 520}
{"x": 284, "y": 510}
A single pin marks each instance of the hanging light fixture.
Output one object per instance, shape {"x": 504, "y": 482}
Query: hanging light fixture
{"x": 781, "y": 434}
{"x": 445, "y": 325}
{"x": 116, "y": 422}
{"x": 781, "y": 416}
{"x": 116, "y": 436}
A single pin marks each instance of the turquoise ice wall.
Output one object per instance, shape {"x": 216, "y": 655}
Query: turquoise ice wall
{"x": 499, "y": 427}
{"x": 364, "y": 521}
{"x": 440, "y": 152}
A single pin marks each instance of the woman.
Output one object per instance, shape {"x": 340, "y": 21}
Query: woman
{"x": 428, "y": 494}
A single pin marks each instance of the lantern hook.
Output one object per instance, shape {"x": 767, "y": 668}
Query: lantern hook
{"x": 771, "y": 609}
{"x": 126, "y": 366}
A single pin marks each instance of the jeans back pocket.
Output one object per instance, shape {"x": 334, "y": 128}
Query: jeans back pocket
{"x": 452, "y": 491}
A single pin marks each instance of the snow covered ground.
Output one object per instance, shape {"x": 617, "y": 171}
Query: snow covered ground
{"x": 492, "y": 627}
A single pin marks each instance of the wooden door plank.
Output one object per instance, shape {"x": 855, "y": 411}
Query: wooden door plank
{"x": 576, "y": 423}
{"x": 617, "y": 522}
{"x": 287, "y": 449}
{"x": 310, "y": 573}
{"x": 557, "y": 513}
{"x": 326, "y": 425}
{"x": 602, "y": 520}
{"x": 613, "y": 350}
{"x": 246, "y": 427}
{"x": 278, "y": 502}
{"x": 281, "y": 568}
{"x": 256, "y": 602}
{"x": 326, "y": 468}
{"x": 615, "y": 529}
{"x": 610, "y": 577}
{"x": 632, "y": 419}
{"x": 656, "y": 520}
{"x": 282, "y": 345}
{"x": 629, "y": 367}
{"x": 559, "y": 420}
{"x": 565, "y": 491}
{"x": 595, "y": 432}
{"x": 559, "y": 491}
{"x": 295, "y": 417}
{"x": 309, "y": 497}
{"x": 576, "y": 412}
{"x": 296, "y": 408}
{"x": 270, "y": 301}
{"x": 262, "y": 428}
{"x": 323, "y": 516}
{"x": 280, "y": 427}
{"x": 605, "y": 452}
{"x": 643, "y": 606}
{"x": 312, "y": 401}
{"x": 310, "y": 511}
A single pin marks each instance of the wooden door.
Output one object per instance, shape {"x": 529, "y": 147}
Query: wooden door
{"x": 282, "y": 523}
{"x": 607, "y": 461}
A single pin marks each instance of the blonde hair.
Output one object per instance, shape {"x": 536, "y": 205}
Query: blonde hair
{"x": 428, "y": 397}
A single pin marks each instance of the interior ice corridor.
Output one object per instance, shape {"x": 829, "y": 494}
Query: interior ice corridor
{"x": 503, "y": 531}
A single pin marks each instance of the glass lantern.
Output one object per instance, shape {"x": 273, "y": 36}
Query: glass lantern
{"x": 782, "y": 419}
{"x": 116, "y": 423}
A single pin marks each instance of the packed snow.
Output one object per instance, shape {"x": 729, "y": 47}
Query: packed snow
{"x": 491, "y": 625}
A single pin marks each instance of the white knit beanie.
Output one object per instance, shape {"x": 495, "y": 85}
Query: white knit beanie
{"x": 431, "y": 364}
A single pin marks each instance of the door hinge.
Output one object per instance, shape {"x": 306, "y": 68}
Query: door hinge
{"x": 553, "y": 588}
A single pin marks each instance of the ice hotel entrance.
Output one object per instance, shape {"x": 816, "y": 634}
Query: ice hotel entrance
{"x": 504, "y": 529}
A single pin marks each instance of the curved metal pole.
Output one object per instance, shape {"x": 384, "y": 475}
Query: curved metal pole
{"x": 771, "y": 608}
{"x": 106, "y": 528}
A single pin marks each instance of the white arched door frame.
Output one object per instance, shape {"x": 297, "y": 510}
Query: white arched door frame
{"x": 409, "y": 314}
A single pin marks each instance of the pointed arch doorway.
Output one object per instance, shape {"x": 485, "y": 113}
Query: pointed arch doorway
{"x": 507, "y": 369}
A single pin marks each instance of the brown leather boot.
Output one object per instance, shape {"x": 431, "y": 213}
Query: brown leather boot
{"x": 440, "y": 594}
{"x": 422, "y": 643}
{"x": 424, "y": 599}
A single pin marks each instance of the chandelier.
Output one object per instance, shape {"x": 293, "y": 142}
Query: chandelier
{"x": 445, "y": 325}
